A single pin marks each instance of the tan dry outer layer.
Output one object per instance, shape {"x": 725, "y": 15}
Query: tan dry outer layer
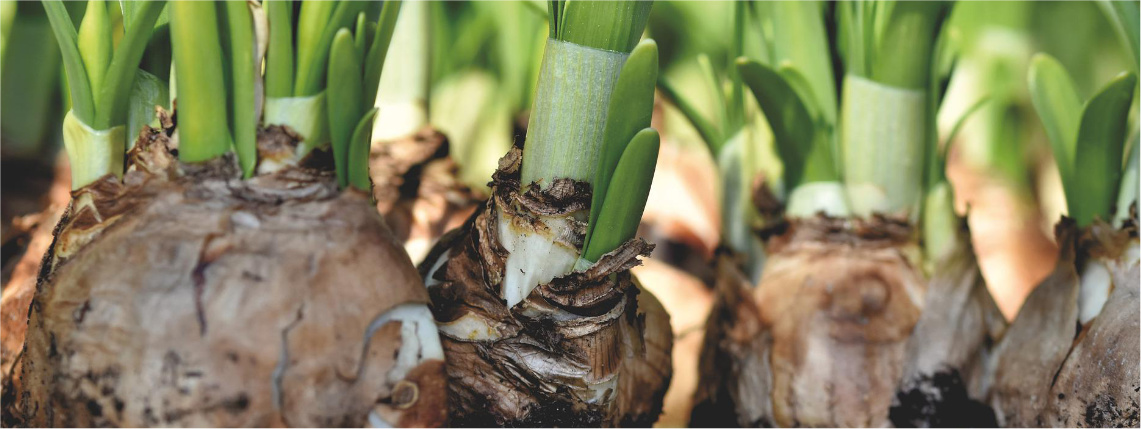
{"x": 825, "y": 338}
{"x": 1052, "y": 371}
{"x": 580, "y": 329}
{"x": 184, "y": 296}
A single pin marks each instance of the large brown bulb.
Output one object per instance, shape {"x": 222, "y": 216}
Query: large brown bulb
{"x": 845, "y": 329}
{"x": 185, "y": 296}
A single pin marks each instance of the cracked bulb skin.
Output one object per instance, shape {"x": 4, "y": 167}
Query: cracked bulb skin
{"x": 826, "y": 337}
{"x": 589, "y": 348}
{"x": 1063, "y": 364}
{"x": 186, "y": 296}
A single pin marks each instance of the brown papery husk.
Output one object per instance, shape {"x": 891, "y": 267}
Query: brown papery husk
{"x": 583, "y": 328}
{"x": 1053, "y": 371}
{"x": 825, "y": 338}
{"x": 185, "y": 296}
{"x": 944, "y": 378}
{"x": 418, "y": 191}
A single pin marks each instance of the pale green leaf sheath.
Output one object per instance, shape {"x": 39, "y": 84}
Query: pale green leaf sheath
{"x": 593, "y": 95}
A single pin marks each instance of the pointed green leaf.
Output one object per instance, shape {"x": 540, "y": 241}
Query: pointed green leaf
{"x": 314, "y": 16}
{"x": 95, "y": 43}
{"x": 378, "y": 49}
{"x": 1092, "y": 190}
{"x": 82, "y": 98}
{"x": 116, "y": 89}
{"x": 1125, "y": 17}
{"x": 1058, "y": 105}
{"x": 279, "y": 54}
{"x": 345, "y": 103}
{"x": 359, "y": 150}
{"x": 626, "y": 197}
{"x": 202, "y": 130}
{"x": 360, "y": 33}
{"x": 312, "y": 64}
{"x": 243, "y": 123}
{"x": 791, "y": 124}
{"x": 631, "y": 106}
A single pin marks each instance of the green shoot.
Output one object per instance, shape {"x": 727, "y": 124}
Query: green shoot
{"x": 1092, "y": 190}
{"x": 279, "y": 54}
{"x": 626, "y": 197}
{"x": 359, "y": 147}
{"x": 792, "y": 126}
{"x": 630, "y": 109}
{"x": 203, "y": 133}
{"x": 580, "y": 68}
{"x": 1058, "y": 105}
{"x": 82, "y": 100}
{"x": 100, "y": 80}
{"x": 608, "y": 25}
{"x": 242, "y": 120}
{"x": 708, "y": 132}
{"x": 344, "y": 97}
{"x": 313, "y": 54}
{"x": 112, "y": 98}
{"x": 94, "y": 41}
{"x": 1087, "y": 140}
{"x": 1125, "y": 17}
{"x": 314, "y": 17}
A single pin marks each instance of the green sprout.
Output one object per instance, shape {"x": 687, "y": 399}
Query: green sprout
{"x": 1088, "y": 140}
{"x": 100, "y": 81}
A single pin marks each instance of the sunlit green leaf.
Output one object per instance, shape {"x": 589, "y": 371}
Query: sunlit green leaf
{"x": 1092, "y": 190}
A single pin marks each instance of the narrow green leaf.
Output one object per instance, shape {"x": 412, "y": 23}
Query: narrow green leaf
{"x": 939, "y": 163}
{"x": 708, "y": 132}
{"x": 804, "y": 90}
{"x": 378, "y": 49}
{"x": 311, "y": 65}
{"x": 791, "y": 124}
{"x": 713, "y": 85}
{"x": 279, "y": 55}
{"x": 116, "y": 89}
{"x": 202, "y": 130}
{"x": 344, "y": 101}
{"x": 801, "y": 43}
{"x": 1092, "y": 190}
{"x": 1125, "y": 17}
{"x": 359, "y": 150}
{"x": 315, "y": 15}
{"x": 360, "y": 35}
{"x": 242, "y": 106}
{"x": 79, "y": 87}
{"x": 626, "y": 197}
{"x": 1054, "y": 97}
{"x": 631, "y": 106}
{"x": 95, "y": 43}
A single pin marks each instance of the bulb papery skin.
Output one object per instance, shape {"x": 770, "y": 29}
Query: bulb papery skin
{"x": 1054, "y": 369}
{"x": 822, "y": 339}
{"x": 581, "y": 348}
{"x": 271, "y": 301}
